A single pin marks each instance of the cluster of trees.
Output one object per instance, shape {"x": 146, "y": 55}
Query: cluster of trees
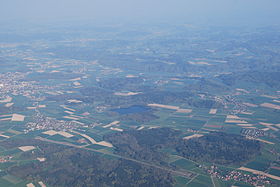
{"x": 218, "y": 147}
{"x": 66, "y": 166}
{"x": 271, "y": 79}
{"x": 117, "y": 84}
{"x": 148, "y": 94}
{"x": 143, "y": 144}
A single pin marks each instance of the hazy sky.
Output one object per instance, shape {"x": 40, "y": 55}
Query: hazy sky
{"x": 201, "y": 11}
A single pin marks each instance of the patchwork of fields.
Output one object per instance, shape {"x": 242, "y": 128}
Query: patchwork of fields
{"x": 113, "y": 111}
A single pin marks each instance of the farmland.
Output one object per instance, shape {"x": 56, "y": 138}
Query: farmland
{"x": 163, "y": 107}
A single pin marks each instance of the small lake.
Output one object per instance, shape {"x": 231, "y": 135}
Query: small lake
{"x": 131, "y": 109}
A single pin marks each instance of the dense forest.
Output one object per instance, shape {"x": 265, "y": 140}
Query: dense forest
{"x": 76, "y": 167}
{"x": 271, "y": 79}
{"x": 220, "y": 148}
{"x": 143, "y": 144}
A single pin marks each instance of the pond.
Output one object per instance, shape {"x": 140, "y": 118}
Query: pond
{"x": 131, "y": 109}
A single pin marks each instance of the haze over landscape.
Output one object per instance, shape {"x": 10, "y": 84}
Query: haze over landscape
{"x": 168, "y": 93}
{"x": 190, "y": 11}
